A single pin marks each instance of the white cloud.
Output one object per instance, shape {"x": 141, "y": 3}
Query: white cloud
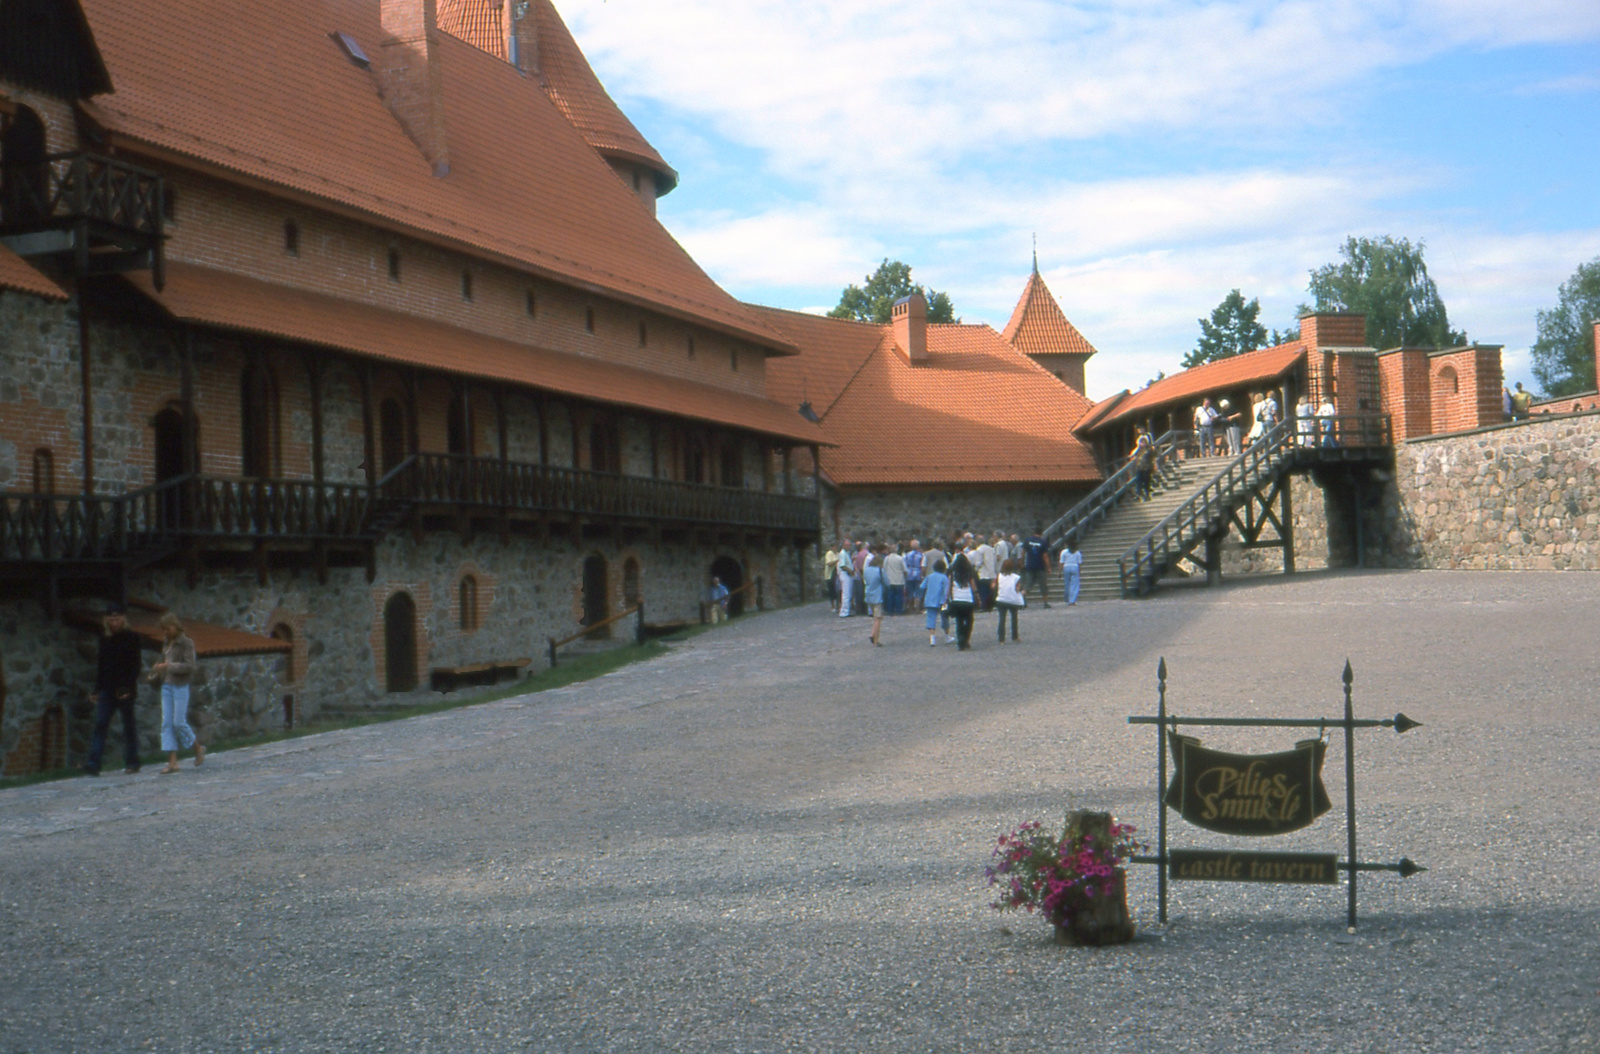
{"x": 791, "y": 246}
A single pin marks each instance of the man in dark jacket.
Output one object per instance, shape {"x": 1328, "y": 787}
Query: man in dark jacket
{"x": 116, "y": 688}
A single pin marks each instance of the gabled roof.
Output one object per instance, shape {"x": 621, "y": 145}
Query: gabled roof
{"x": 260, "y": 93}
{"x": 16, "y": 273}
{"x": 1190, "y": 386}
{"x": 217, "y": 298}
{"x": 833, "y": 350}
{"x": 566, "y": 75}
{"x": 1038, "y": 327}
{"x": 979, "y": 412}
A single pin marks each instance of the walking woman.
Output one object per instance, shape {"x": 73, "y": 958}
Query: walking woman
{"x": 873, "y": 589}
{"x": 1009, "y": 599}
{"x": 173, "y": 673}
{"x": 935, "y": 595}
{"x": 1071, "y": 571}
{"x": 847, "y": 582}
{"x": 963, "y": 599}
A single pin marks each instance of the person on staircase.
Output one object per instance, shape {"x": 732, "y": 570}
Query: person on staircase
{"x": 1071, "y": 571}
{"x": 1143, "y": 458}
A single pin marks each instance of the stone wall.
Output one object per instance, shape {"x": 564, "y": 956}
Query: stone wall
{"x": 1523, "y": 496}
{"x": 527, "y": 590}
{"x": 939, "y": 512}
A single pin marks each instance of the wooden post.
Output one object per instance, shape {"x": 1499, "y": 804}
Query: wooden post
{"x": 544, "y": 429}
{"x": 369, "y": 450}
{"x": 88, "y": 392}
{"x": 1213, "y": 559}
{"x": 314, "y": 377}
{"x": 1286, "y": 521}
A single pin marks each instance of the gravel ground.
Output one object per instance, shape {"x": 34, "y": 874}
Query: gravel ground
{"x": 772, "y": 840}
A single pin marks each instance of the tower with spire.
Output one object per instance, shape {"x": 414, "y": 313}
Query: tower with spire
{"x": 1040, "y": 330}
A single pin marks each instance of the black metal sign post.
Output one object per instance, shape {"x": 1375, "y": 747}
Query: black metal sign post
{"x": 1257, "y": 795}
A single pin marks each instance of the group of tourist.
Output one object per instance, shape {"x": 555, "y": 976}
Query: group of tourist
{"x": 118, "y": 669}
{"x": 1220, "y": 429}
{"x": 974, "y": 575}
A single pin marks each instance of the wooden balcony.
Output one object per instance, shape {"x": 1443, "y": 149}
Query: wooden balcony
{"x": 104, "y": 212}
{"x": 490, "y": 484}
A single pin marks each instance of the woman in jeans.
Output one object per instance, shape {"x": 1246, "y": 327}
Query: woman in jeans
{"x": 963, "y": 599}
{"x": 173, "y": 673}
{"x": 1009, "y": 599}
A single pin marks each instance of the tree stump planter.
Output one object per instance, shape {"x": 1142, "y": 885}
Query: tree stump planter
{"x": 1103, "y": 918}
{"x": 1097, "y": 920}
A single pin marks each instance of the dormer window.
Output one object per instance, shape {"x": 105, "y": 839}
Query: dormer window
{"x": 351, "y": 49}
{"x": 291, "y": 237}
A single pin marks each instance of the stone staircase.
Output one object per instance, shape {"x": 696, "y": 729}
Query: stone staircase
{"x": 1107, "y": 542}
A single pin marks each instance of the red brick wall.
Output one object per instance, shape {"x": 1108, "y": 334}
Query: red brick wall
{"x": 1403, "y": 376}
{"x": 41, "y": 744}
{"x": 1334, "y": 331}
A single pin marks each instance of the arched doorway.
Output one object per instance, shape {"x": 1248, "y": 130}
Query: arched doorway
{"x": 1446, "y": 387}
{"x": 400, "y": 643}
{"x": 287, "y": 674}
{"x": 391, "y": 436}
{"x": 170, "y": 464}
{"x": 596, "y": 603}
{"x": 731, "y": 572}
{"x": 24, "y": 173}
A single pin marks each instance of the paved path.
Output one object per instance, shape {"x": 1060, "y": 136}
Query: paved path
{"x": 771, "y": 840}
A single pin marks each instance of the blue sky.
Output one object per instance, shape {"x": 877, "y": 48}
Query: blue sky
{"x": 1164, "y": 151}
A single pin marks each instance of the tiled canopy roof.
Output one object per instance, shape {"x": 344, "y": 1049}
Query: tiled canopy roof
{"x": 979, "y": 412}
{"x": 17, "y": 273}
{"x": 261, "y": 94}
{"x": 1038, "y": 327}
{"x": 1190, "y": 386}
{"x": 210, "y": 641}
{"x": 568, "y": 78}
{"x": 234, "y": 302}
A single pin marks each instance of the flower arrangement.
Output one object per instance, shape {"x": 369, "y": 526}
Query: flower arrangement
{"x": 1062, "y": 877}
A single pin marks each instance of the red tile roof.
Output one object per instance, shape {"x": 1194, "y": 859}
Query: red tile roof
{"x": 17, "y": 273}
{"x": 1190, "y": 386}
{"x": 480, "y": 23}
{"x": 567, "y": 77}
{"x": 979, "y": 412}
{"x": 231, "y": 301}
{"x": 1038, "y": 327}
{"x": 263, "y": 95}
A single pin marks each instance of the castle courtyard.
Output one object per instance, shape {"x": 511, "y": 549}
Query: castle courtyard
{"x": 773, "y": 838}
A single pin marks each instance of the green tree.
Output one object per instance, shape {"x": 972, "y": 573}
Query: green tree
{"x": 1232, "y": 330}
{"x": 1563, "y": 356}
{"x": 872, "y": 300}
{"x": 1387, "y": 281}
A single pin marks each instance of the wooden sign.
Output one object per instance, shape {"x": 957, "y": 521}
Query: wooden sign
{"x": 1219, "y": 865}
{"x": 1249, "y": 794}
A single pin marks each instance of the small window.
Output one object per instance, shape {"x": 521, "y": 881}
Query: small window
{"x": 169, "y": 202}
{"x": 644, "y": 335}
{"x": 351, "y": 49}
{"x": 394, "y": 265}
{"x": 291, "y": 237}
{"x": 466, "y": 285}
{"x": 468, "y": 602}
{"x": 691, "y": 347}
{"x": 588, "y": 319}
{"x": 44, "y": 471}
{"x": 733, "y": 360}
{"x": 531, "y": 302}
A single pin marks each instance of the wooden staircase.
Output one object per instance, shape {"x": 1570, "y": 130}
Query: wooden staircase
{"x": 1104, "y": 546}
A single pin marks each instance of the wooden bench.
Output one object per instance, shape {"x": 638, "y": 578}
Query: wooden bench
{"x": 449, "y": 678}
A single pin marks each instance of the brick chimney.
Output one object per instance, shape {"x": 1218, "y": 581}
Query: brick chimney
{"x": 410, "y": 76}
{"x": 523, "y": 37}
{"x": 1333, "y": 330}
{"x": 909, "y": 316}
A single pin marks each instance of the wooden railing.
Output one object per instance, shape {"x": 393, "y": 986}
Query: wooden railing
{"x": 593, "y": 628}
{"x": 82, "y": 186}
{"x": 1099, "y": 503}
{"x": 275, "y": 508}
{"x": 1208, "y": 508}
{"x": 74, "y": 528}
{"x": 487, "y": 482}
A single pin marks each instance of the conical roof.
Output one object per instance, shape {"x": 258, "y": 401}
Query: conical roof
{"x": 1038, "y": 327}
{"x": 566, "y": 77}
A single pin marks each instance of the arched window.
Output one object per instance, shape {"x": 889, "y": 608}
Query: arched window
{"x": 588, "y": 319}
{"x": 291, "y": 237}
{"x": 394, "y": 265}
{"x": 531, "y": 302}
{"x": 691, "y": 347}
{"x": 644, "y": 335}
{"x": 24, "y": 173}
{"x": 458, "y": 427}
{"x": 467, "y": 601}
{"x": 466, "y": 285}
{"x": 258, "y": 420}
{"x": 400, "y": 643}
{"x": 44, "y": 471}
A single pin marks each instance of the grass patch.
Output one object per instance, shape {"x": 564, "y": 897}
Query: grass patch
{"x": 570, "y": 671}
